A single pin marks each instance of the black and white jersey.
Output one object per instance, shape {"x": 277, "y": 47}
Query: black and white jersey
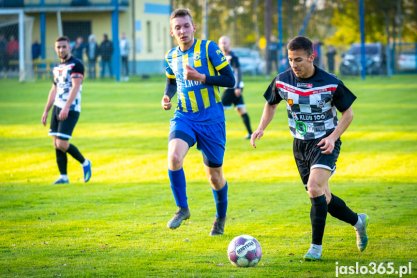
{"x": 311, "y": 103}
{"x": 234, "y": 63}
{"x": 62, "y": 78}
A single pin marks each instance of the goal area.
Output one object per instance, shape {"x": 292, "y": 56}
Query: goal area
{"x": 16, "y": 45}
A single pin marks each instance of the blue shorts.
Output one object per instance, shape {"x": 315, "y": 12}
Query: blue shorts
{"x": 210, "y": 138}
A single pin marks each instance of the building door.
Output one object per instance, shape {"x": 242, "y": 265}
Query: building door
{"x": 74, "y": 29}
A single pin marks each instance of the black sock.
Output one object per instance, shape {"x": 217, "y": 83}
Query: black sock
{"x": 75, "y": 153}
{"x": 61, "y": 160}
{"x": 246, "y": 121}
{"x": 338, "y": 209}
{"x": 318, "y": 215}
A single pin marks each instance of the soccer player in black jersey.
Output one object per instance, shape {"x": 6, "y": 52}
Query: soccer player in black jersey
{"x": 313, "y": 97}
{"x": 65, "y": 98}
{"x": 234, "y": 95}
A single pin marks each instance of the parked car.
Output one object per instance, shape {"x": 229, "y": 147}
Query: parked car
{"x": 374, "y": 57}
{"x": 407, "y": 61}
{"x": 250, "y": 60}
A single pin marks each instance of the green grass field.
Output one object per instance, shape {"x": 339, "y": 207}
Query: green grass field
{"x": 115, "y": 225}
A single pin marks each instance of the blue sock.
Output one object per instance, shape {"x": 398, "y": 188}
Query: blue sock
{"x": 220, "y": 198}
{"x": 177, "y": 179}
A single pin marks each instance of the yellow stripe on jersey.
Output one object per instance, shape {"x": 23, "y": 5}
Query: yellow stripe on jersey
{"x": 217, "y": 93}
{"x": 184, "y": 60}
{"x": 209, "y": 64}
{"x": 174, "y": 61}
{"x": 183, "y": 103}
{"x": 205, "y": 96}
{"x": 170, "y": 76}
{"x": 222, "y": 65}
{"x": 197, "y": 54}
{"x": 193, "y": 101}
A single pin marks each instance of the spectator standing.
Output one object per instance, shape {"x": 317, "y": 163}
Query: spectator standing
{"x": 106, "y": 52}
{"x": 12, "y": 50}
{"x": 3, "y": 55}
{"x": 317, "y": 53}
{"x": 124, "y": 53}
{"x": 330, "y": 54}
{"x": 78, "y": 49}
{"x": 92, "y": 51}
{"x": 36, "y": 50}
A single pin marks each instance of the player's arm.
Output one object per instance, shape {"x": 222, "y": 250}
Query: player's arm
{"x": 225, "y": 79}
{"x": 49, "y": 103}
{"x": 327, "y": 144}
{"x": 239, "y": 82}
{"x": 272, "y": 99}
{"x": 267, "y": 116}
{"x": 219, "y": 61}
{"x": 343, "y": 99}
{"x": 170, "y": 90}
{"x": 76, "y": 79}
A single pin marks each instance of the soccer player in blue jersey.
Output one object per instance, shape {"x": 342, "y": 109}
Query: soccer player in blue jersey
{"x": 195, "y": 69}
{"x": 65, "y": 98}
{"x": 313, "y": 97}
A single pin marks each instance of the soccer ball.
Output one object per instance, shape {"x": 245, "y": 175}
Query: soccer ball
{"x": 244, "y": 251}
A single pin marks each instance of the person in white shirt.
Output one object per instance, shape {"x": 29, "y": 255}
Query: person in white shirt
{"x": 124, "y": 53}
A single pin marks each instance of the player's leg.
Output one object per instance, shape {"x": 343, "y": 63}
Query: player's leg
{"x": 62, "y": 162}
{"x": 241, "y": 110}
{"x": 316, "y": 188}
{"x": 65, "y": 129}
{"x": 181, "y": 138}
{"x": 61, "y": 157}
{"x": 338, "y": 208}
{"x": 211, "y": 142}
{"x": 220, "y": 191}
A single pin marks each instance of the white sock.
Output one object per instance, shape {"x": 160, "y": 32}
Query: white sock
{"x": 85, "y": 163}
{"x": 64, "y": 177}
{"x": 359, "y": 223}
{"x": 316, "y": 248}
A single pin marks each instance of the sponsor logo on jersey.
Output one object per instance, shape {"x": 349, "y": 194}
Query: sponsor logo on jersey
{"x": 304, "y": 85}
{"x": 321, "y": 103}
{"x": 197, "y": 56}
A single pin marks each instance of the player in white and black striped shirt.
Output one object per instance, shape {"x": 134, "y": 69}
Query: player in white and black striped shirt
{"x": 313, "y": 97}
{"x": 65, "y": 98}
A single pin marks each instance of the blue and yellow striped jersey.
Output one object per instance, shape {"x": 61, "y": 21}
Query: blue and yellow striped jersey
{"x": 196, "y": 100}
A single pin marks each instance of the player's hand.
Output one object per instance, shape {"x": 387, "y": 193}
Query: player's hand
{"x": 191, "y": 73}
{"x": 44, "y": 118}
{"x": 257, "y": 135}
{"x": 326, "y": 145}
{"x": 63, "y": 115}
{"x": 166, "y": 103}
{"x": 238, "y": 92}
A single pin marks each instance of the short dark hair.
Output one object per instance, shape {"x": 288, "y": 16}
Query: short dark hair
{"x": 63, "y": 38}
{"x": 301, "y": 42}
{"x": 181, "y": 13}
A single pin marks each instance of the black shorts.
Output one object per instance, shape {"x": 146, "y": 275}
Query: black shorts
{"x": 229, "y": 98}
{"x": 308, "y": 156}
{"x": 63, "y": 129}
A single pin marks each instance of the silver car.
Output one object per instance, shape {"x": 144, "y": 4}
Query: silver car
{"x": 250, "y": 60}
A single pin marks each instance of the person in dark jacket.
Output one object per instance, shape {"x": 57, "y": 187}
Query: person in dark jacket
{"x": 106, "y": 52}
